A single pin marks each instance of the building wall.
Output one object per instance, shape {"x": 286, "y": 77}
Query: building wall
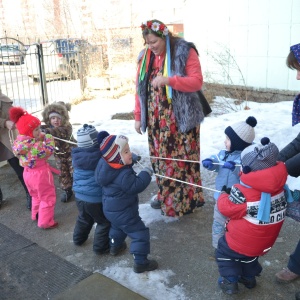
{"x": 251, "y": 35}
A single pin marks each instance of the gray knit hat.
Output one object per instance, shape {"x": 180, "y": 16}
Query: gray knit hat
{"x": 241, "y": 134}
{"x": 87, "y": 136}
{"x": 258, "y": 157}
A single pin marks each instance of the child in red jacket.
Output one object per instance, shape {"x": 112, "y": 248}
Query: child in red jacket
{"x": 256, "y": 209}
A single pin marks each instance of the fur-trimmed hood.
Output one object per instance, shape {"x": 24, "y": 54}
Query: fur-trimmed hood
{"x": 60, "y": 108}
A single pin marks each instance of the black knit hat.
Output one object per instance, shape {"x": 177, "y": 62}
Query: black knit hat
{"x": 241, "y": 134}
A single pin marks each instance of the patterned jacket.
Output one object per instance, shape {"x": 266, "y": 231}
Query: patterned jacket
{"x": 29, "y": 150}
{"x": 245, "y": 234}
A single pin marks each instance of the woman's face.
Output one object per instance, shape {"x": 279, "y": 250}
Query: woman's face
{"x": 156, "y": 44}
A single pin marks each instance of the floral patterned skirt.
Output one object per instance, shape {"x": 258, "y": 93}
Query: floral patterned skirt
{"x": 179, "y": 193}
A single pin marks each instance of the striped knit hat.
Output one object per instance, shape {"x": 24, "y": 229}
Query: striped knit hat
{"x": 87, "y": 136}
{"x": 259, "y": 157}
{"x": 111, "y": 147}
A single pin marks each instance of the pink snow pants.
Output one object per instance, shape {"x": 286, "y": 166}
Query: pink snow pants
{"x": 40, "y": 184}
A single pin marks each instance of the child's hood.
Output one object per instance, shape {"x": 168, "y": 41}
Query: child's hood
{"x": 59, "y": 107}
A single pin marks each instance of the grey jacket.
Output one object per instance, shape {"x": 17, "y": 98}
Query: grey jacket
{"x": 226, "y": 176}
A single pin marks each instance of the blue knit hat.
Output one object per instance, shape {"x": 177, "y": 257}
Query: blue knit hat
{"x": 111, "y": 147}
{"x": 241, "y": 134}
{"x": 87, "y": 136}
{"x": 296, "y": 50}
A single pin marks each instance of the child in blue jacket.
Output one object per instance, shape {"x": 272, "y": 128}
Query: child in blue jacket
{"x": 238, "y": 136}
{"x": 88, "y": 194}
{"x": 121, "y": 186}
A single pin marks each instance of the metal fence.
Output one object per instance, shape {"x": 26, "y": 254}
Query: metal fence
{"x": 55, "y": 70}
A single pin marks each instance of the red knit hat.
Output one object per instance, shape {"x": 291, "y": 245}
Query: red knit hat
{"x": 24, "y": 121}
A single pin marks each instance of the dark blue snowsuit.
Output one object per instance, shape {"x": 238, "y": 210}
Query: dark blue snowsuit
{"x": 120, "y": 188}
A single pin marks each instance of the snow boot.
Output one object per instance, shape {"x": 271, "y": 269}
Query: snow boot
{"x": 66, "y": 195}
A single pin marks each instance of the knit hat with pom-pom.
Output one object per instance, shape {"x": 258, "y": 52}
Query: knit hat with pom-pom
{"x": 258, "y": 157}
{"x": 241, "y": 134}
{"x": 111, "y": 146}
{"x": 87, "y": 136}
{"x": 24, "y": 121}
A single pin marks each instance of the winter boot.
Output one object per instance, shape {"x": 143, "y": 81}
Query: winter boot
{"x": 286, "y": 276}
{"x": 150, "y": 265}
{"x": 1, "y": 198}
{"x": 248, "y": 282}
{"x": 66, "y": 195}
{"x": 28, "y": 201}
{"x": 115, "y": 250}
{"x": 227, "y": 286}
{"x": 155, "y": 203}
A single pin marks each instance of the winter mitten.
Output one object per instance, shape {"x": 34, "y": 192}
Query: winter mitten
{"x": 226, "y": 189}
{"x": 135, "y": 158}
{"x": 229, "y": 165}
{"x": 148, "y": 170}
{"x": 207, "y": 163}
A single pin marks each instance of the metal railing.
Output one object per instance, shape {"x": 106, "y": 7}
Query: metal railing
{"x": 47, "y": 72}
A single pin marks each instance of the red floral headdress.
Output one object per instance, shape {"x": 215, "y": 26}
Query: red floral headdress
{"x": 156, "y": 26}
{"x": 161, "y": 30}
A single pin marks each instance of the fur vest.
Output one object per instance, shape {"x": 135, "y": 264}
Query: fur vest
{"x": 187, "y": 107}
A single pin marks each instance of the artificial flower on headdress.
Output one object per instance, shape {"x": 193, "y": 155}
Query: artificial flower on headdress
{"x": 162, "y": 30}
{"x": 156, "y": 26}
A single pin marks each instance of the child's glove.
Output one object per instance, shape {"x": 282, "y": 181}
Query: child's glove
{"x": 226, "y": 189}
{"x": 135, "y": 158}
{"x": 148, "y": 170}
{"x": 229, "y": 165}
{"x": 42, "y": 136}
{"x": 207, "y": 163}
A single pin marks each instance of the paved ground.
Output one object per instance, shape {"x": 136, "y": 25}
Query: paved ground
{"x": 183, "y": 247}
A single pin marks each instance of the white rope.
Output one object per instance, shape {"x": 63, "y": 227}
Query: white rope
{"x": 182, "y": 181}
{"x": 192, "y": 161}
{"x": 11, "y": 137}
{"x": 56, "y": 138}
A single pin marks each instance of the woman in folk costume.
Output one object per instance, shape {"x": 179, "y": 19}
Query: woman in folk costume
{"x": 167, "y": 104}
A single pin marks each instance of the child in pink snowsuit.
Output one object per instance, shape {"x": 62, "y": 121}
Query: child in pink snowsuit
{"x": 33, "y": 149}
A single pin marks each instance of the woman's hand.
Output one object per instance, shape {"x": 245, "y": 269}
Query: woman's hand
{"x": 160, "y": 81}
{"x": 9, "y": 125}
{"x": 137, "y": 126}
